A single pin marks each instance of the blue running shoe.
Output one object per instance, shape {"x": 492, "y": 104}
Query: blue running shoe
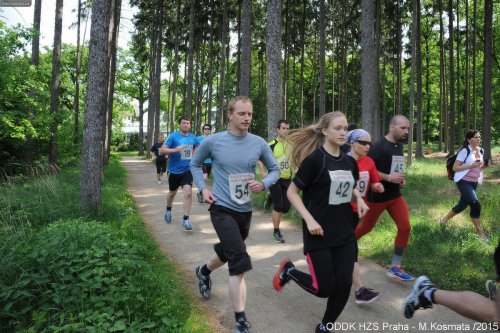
{"x": 398, "y": 273}
{"x": 187, "y": 226}
{"x": 168, "y": 216}
{"x": 417, "y": 299}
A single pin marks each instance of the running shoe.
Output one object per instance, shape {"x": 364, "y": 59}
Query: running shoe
{"x": 281, "y": 276}
{"x": 365, "y": 295}
{"x": 242, "y": 326}
{"x": 321, "y": 328}
{"x": 416, "y": 299}
{"x": 491, "y": 287}
{"x": 200, "y": 197}
{"x": 168, "y": 216}
{"x": 399, "y": 273}
{"x": 159, "y": 182}
{"x": 204, "y": 283}
{"x": 277, "y": 236}
{"x": 187, "y": 226}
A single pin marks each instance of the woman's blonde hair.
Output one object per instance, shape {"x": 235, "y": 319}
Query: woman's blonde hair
{"x": 305, "y": 140}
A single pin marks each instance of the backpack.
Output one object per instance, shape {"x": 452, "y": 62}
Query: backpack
{"x": 451, "y": 160}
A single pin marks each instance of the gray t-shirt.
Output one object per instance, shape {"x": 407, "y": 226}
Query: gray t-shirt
{"x": 234, "y": 159}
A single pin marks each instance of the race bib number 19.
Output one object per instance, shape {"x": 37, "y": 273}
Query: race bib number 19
{"x": 398, "y": 164}
{"x": 341, "y": 187}
{"x": 238, "y": 187}
{"x": 364, "y": 178}
{"x": 187, "y": 152}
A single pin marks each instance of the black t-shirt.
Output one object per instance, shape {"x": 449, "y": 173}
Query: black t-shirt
{"x": 381, "y": 153}
{"x": 313, "y": 178}
{"x": 156, "y": 150}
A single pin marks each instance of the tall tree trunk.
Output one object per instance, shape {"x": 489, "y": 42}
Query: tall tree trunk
{"x": 487, "y": 77}
{"x": 369, "y": 80}
{"x": 176, "y": 66}
{"x": 98, "y": 72}
{"x": 399, "y": 71}
{"x": 273, "y": 52}
{"x": 458, "y": 74}
{"x": 159, "y": 50}
{"x": 286, "y": 47}
{"x": 76, "y": 98}
{"x": 418, "y": 52}
{"x": 411, "y": 112}
{"x": 451, "y": 122}
{"x": 467, "y": 76}
{"x": 189, "y": 87}
{"x": 35, "y": 60}
{"x": 322, "y": 41}
{"x": 302, "y": 50}
{"x": 224, "y": 35}
{"x": 246, "y": 43}
{"x": 56, "y": 76}
{"x": 474, "y": 57}
{"x": 113, "y": 30}
{"x": 211, "y": 60}
{"x": 141, "y": 122}
{"x": 443, "y": 132}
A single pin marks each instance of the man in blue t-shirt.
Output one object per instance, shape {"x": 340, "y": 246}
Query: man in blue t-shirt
{"x": 207, "y": 164}
{"x": 180, "y": 146}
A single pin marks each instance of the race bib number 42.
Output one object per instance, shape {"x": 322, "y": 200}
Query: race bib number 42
{"x": 341, "y": 187}
{"x": 238, "y": 187}
{"x": 398, "y": 164}
{"x": 186, "y": 152}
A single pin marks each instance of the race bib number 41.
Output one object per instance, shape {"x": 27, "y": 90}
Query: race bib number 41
{"x": 238, "y": 187}
{"x": 398, "y": 164}
{"x": 341, "y": 187}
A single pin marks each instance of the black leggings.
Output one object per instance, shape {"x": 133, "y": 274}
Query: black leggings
{"x": 330, "y": 277}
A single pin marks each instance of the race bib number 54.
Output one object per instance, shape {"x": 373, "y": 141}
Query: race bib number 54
{"x": 238, "y": 187}
{"x": 341, "y": 187}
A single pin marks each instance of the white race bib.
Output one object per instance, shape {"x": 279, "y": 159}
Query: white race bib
{"x": 186, "y": 152}
{"x": 284, "y": 164}
{"x": 364, "y": 179}
{"x": 398, "y": 164}
{"x": 238, "y": 187}
{"x": 341, "y": 187}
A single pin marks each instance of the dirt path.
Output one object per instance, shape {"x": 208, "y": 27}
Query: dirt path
{"x": 293, "y": 310}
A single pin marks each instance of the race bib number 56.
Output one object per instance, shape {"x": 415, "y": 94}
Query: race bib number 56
{"x": 341, "y": 187}
{"x": 238, "y": 187}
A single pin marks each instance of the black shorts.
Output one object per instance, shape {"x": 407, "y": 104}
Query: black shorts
{"x": 161, "y": 165}
{"x": 278, "y": 195}
{"x": 176, "y": 180}
{"x": 207, "y": 168}
{"x": 232, "y": 228}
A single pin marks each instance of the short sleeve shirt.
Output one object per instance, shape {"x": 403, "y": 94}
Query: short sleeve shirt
{"x": 179, "y": 161}
{"x": 313, "y": 178}
{"x": 381, "y": 152}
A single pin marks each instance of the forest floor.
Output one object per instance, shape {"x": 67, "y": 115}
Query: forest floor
{"x": 293, "y": 310}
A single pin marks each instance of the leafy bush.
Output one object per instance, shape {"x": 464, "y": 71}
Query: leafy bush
{"x": 83, "y": 276}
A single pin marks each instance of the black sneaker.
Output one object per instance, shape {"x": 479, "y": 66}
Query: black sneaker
{"x": 204, "y": 284}
{"x": 365, "y": 295}
{"x": 242, "y": 326}
{"x": 277, "y": 236}
{"x": 321, "y": 328}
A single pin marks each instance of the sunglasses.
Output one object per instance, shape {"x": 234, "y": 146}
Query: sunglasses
{"x": 364, "y": 143}
{"x": 206, "y": 129}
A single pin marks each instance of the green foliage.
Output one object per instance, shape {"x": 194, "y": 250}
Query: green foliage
{"x": 65, "y": 273}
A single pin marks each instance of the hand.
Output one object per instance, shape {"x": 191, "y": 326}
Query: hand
{"x": 377, "y": 187}
{"x": 362, "y": 207}
{"x": 396, "y": 178}
{"x": 208, "y": 196}
{"x": 255, "y": 186}
{"x": 403, "y": 184}
{"x": 476, "y": 164}
{"x": 314, "y": 228}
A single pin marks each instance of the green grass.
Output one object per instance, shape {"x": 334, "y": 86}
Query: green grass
{"x": 453, "y": 258}
{"x": 62, "y": 272}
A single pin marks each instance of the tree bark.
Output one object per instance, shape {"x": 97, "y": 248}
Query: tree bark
{"x": 98, "y": 72}
{"x": 56, "y": 76}
{"x": 273, "y": 52}
{"x": 190, "y": 68}
{"x": 322, "y": 38}
{"x": 487, "y": 78}
{"x": 451, "y": 119}
{"x": 246, "y": 43}
{"x": 224, "y": 34}
{"x": 418, "y": 52}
